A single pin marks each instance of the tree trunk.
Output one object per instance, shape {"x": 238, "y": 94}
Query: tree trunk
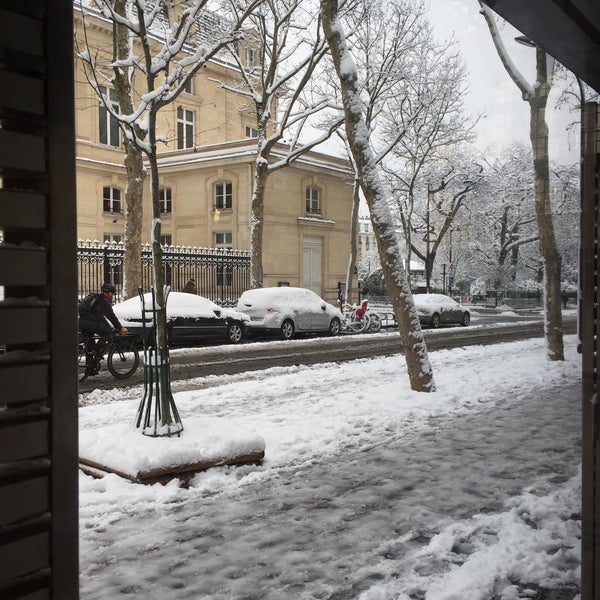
{"x": 415, "y": 351}
{"x": 132, "y": 276}
{"x": 353, "y": 241}
{"x": 549, "y": 250}
{"x": 134, "y": 164}
{"x": 538, "y": 132}
{"x": 257, "y": 224}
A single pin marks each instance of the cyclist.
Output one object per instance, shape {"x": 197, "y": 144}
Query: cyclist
{"x": 97, "y": 318}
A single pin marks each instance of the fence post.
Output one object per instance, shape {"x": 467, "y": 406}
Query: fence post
{"x": 106, "y": 265}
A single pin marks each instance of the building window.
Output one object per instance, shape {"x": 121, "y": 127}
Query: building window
{"x": 250, "y": 58}
{"x": 223, "y": 239}
{"x": 251, "y": 132}
{"x": 223, "y": 195}
{"x": 166, "y": 239}
{"x": 188, "y": 86}
{"x": 110, "y": 238}
{"x": 165, "y": 200}
{"x": 108, "y": 125}
{"x": 313, "y": 202}
{"x": 185, "y": 128}
{"x": 111, "y": 200}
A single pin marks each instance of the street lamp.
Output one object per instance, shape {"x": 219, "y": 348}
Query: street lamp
{"x": 525, "y": 41}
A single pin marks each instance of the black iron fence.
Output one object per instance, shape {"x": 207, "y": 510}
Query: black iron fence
{"x": 220, "y": 274}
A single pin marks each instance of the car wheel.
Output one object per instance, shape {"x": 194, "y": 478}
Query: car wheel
{"x": 287, "y": 329}
{"x": 435, "y": 321}
{"x": 334, "y": 326}
{"x": 234, "y": 333}
{"x": 466, "y": 319}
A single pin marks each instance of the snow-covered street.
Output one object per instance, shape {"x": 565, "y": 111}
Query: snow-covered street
{"x": 368, "y": 490}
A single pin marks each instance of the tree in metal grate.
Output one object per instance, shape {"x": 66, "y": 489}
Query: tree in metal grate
{"x": 157, "y": 414}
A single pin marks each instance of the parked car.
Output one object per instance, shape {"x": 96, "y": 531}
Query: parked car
{"x": 289, "y": 310}
{"x": 436, "y": 309}
{"x": 191, "y": 319}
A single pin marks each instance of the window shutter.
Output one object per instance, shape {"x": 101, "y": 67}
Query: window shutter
{"x": 38, "y": 379}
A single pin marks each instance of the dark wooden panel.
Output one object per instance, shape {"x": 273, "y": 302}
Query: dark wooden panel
{"x": 22, "y": 266}
{"x": 589, "y": 331}
{"x": 21, "y": 33}
{"x": 32, "y": 587}
{"x": 26, "y": 382}
{"x": 19, "y": 92}
{"x": 22, "y": 499}
{"x": 23, "y": 440}
{"x": 63, "y": 294}
{"x": 23, "y": 325}
{"x": 23, "y": 210}
{"x": 21, "y": 151}
{"x": 23, "y": 556}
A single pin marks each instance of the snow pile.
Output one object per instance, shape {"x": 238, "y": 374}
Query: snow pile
{"x": 535, "y": 540}
{"x": 367, "y": 490}
{"x": 124, "y": 448}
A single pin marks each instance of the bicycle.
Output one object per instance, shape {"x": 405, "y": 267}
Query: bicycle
{"x": 356, "y": 318}
{"x": 122, "y": 355}
{"x": 360, "y": 319}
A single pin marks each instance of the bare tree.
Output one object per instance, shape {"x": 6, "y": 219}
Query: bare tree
{"x": 415, "y": 351}
{"x": 436, "y": 97}
{"x": 434, "y": 219}
{"x": 536, "y": 95}
{"x": 278, "y": 56}
{"x": 504, "y": 221}
{"x": 387, "y": 41}
{"x": 110, "y": 74}
{"x": 165, "y": 51}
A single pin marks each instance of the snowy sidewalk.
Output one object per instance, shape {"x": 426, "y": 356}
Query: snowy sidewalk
{"x": 368, "y": 490}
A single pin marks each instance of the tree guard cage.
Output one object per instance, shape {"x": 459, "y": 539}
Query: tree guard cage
{"x": 157, "y": 414}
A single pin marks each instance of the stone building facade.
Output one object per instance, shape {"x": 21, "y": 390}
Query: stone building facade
{"x": 206, "y": 174}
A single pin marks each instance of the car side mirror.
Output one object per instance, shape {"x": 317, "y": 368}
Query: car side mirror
{"x": 323, "y": 306}
{"x": 217, "y": 312}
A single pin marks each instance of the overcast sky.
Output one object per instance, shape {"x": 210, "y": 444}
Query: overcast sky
{"x": 493, "y": 93}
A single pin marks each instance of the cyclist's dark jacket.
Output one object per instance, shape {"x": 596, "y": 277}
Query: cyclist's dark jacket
{"x": 101, "y": 311}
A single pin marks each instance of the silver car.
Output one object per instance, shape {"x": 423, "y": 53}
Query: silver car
{"x": 289, "y": 310}
{"x": 436, "y": 309}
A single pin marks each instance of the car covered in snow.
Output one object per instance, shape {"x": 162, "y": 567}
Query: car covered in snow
{"x": 437, "y": 309}
{"x": 288, "y": 311}
{"x": 191, "y": 319}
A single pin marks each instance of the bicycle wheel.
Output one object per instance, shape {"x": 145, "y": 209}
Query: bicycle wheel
{"x": 358, "y": 325}
{"x": 123, "y": 359}
{"x": 375, "y": 325}
{"x": 81, "y": 362}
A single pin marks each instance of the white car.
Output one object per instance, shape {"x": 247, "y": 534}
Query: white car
{"x": 289, "y": 310}
{"x": 436, "y": 309}
{"x": 191, "y": 319}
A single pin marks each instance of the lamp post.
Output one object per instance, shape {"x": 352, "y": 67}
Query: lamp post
{"x": 428, "y": 241}
{"x": 443, "y": 278}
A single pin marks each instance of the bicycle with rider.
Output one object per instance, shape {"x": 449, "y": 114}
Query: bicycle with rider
{"x": 100, "y": 320}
